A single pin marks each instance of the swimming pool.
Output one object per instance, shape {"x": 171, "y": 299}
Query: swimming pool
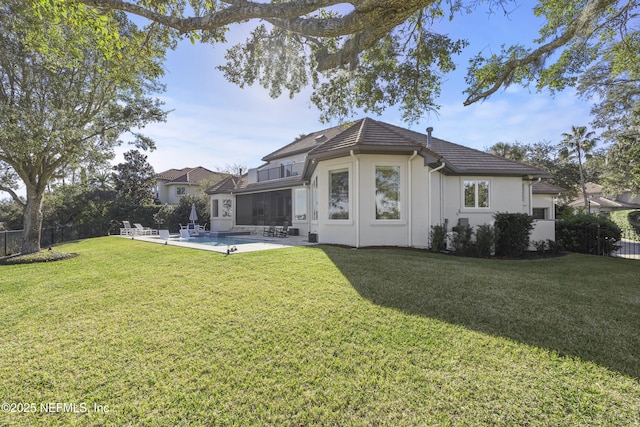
{"x": 218, "y": 240}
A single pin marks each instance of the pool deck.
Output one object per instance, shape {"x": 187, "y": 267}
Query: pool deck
{"x": 266, "y": 243}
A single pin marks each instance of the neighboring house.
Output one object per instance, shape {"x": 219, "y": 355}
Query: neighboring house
{"x": 599, "y": 203}
{"x": 370, "y": 183}
{"x": 173, "y": 184}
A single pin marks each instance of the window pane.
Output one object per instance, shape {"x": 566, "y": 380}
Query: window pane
{"x": 388, "y": 192}
{"x": 339, "y": 194}
{"x": 539, "y": 213}
{"x": 214, "y": 209}
{"x": 300, "y": 204}
{"x": 483, "y": 194}
{"x": 469, "y": 194}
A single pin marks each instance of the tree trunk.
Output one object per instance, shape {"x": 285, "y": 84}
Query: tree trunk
{"x": 32, "y": 223}
{"x": 582, "y": 183}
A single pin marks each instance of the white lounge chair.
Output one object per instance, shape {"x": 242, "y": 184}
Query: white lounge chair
{"x": 127, "y": 230}
{"x": 164, "y": 234}
{"x": 144, "y": 231}
{"x": 184, "y": 233}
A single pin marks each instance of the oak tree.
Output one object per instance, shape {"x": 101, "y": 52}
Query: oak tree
{"x": 64, "y": 104}
{"x": 371, "y": 54}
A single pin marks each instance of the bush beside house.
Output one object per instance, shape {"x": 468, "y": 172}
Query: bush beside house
{"x": 589, "y": 234}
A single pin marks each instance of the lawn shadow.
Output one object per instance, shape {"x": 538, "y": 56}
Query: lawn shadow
{"x": 532, "y": 302}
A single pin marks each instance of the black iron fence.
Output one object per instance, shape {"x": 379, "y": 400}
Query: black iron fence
{"x": 600, "y": 240}
{"x": 629, "y": 244}
{"x": 10, "y": 241}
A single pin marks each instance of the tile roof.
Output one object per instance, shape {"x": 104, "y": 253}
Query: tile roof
{"x": 189, "y": 175}
{"x": 546, "y": 188}
{"x": 305, "y": 143}
{"x": 241, "y": 185}
{"x": 603, "y": 202}
{"x": 368, "y": 135}
{"x": 371, "y": 136}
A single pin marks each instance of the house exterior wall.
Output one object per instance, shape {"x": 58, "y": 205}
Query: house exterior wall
{"x": 505, "y": 195}
{"x": 363, "y": 228}
{"x": 545, "y": 201}
{"x": 427, "y": 198}
{"x": 296, "y": 161}
{"x": 222, "y": 210}
{"x": 168, "y": 192}
{"x": 543, "y": 229}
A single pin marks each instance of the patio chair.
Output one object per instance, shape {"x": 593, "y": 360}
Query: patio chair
{"x": 127, "y": 230}
{"x": 164, "y": 234}
{"x": 270, "y": 231}
{"x": 184, "y": 233}
{"x": 284, "y": 231}
{"x": 144, "y": 231}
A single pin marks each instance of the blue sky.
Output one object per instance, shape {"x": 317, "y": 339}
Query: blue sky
{"x": 215, "y": 123}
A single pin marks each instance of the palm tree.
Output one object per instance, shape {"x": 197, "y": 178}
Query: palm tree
{"x": 508, "y": 151}
{"x": 577, "y": 144}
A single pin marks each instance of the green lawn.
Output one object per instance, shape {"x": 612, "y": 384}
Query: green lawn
{"x": 160, "y": 335}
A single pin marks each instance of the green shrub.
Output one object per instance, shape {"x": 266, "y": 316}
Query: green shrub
{"x": 540, "y": 245}
{"x": 589, "y": 234}
{"x": 554, "y": 246}
{"x": 634, "y": 220}
{"x": 485, "y": 240}
{"x": 461, "y": 241}
{"x": 438, "y": 236}
{"x": 629, "y": 222}
{"x": 512, "y": 234}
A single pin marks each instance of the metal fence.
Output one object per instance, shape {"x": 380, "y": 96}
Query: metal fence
{"x": 10, "y": 241}
{"x": 597, "y": 240}
{"x": 629, "y": 244}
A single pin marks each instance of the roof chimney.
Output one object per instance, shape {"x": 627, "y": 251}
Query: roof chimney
{"x": 429, "y": 140}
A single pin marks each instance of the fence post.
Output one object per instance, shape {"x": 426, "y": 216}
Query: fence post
{"x": 600, "y": 251}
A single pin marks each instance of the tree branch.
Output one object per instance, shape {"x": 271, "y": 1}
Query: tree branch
{"x": 14, "y": 196}
{"x": 580, "y": 25}
{"x": 239, "y": 11}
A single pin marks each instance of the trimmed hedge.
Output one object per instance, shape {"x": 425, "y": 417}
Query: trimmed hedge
{"x": 512, "y": 234}
{"x": 588, "y": 234}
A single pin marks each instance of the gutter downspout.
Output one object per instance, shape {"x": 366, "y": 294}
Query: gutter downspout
{"x": 531, "y": 195}
{"x": 409, "y": 215}
{"x": 356, "y": 205}
{"x": 429, "y": 195}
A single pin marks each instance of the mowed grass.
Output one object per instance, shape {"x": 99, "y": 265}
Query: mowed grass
{"x": 157, "y": 335}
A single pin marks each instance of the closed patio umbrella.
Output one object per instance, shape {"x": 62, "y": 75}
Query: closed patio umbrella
{"x": 193, "y": 216}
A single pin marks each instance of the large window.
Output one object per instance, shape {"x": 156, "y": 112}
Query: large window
{"x": 263, "y": 208}
{"x": 387, "y": 192}
{"x": 181, "y": 191}
{"x": 476, "y": 193}
{"x": 339, "y": 194}
{"x": 300, "y": 195}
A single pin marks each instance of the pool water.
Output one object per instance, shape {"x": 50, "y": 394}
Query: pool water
{"x": 219, "y": 241}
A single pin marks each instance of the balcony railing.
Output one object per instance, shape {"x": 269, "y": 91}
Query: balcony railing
{"x": 282, "y": 171}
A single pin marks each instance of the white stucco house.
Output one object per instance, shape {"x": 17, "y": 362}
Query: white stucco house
{"x": 369, "y": 183}
{"x": 173, "y": 184}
